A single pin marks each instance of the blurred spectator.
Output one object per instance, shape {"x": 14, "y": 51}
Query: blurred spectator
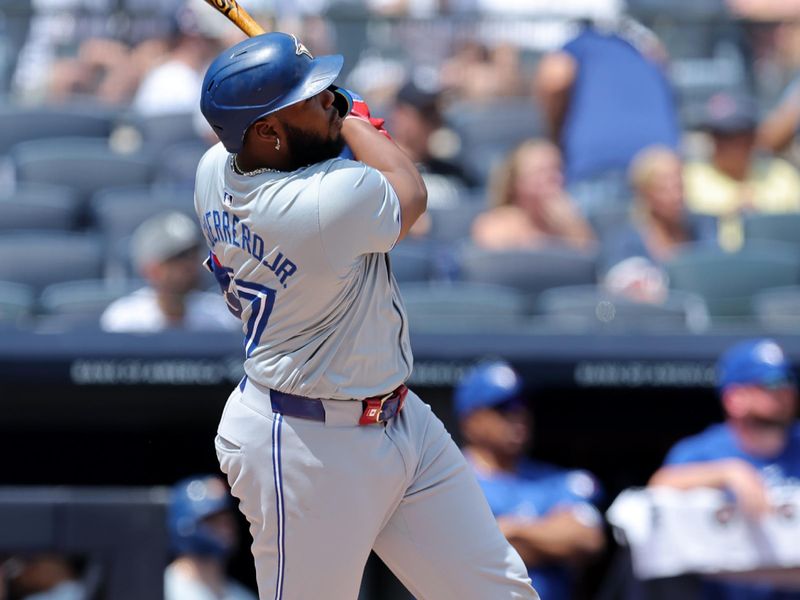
{"x": 605, "y": 96}
{"x": 530, "y": 207}
{"x": 204, "y": 535}
{"x": 105, "y": 69}
{"x": 736, "y": 180}
{"x": 660, "y": 226}
{"x": 754, "y": 453}
{"x": 545, "y": 512}
{"x": 413, "y": 119}
{"x": 479, "y": 73}
{"x": 766, "y": 10}
{"x": 166, "y": 252}
{"x": 44, "y": 577}
{"x": 174, "y": 85}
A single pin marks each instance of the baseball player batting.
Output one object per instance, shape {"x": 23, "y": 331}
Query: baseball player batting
{"x": 328, "y": 452}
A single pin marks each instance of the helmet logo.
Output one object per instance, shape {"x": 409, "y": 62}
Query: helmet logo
{"x": 300, "y": 49}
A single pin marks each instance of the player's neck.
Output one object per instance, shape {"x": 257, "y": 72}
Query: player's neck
{"x": 248, "y": 160}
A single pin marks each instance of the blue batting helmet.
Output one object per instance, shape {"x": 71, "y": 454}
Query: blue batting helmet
{"x": 257, "y": 77}
{"x": 754, "y": 362}
{"x": 488, "y": 385}
{"x": 193, "y": 500}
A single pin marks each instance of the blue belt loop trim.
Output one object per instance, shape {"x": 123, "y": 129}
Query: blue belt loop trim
{"x": 277, "y": 470}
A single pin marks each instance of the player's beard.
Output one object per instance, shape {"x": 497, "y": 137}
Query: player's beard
{"x": 310, "y": 148}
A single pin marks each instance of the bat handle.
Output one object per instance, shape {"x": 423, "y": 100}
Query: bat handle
{"x": 247, "y": 24}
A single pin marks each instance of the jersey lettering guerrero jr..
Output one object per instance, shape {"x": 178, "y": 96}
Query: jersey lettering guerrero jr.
{"x": 303, "y": 257}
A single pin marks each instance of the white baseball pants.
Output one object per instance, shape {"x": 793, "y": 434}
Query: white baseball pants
{"x": 319, "y": 496}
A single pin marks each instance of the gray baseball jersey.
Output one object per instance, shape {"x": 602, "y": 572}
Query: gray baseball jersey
{"x": 309, "y": 277}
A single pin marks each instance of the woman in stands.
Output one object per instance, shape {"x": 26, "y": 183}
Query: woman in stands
{"x": 529, "y": 206}
{"x": 633, "y": 255}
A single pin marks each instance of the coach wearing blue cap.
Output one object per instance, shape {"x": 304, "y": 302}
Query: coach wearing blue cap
{"x": 546, "y": 512}
{"x": 756, "y": 448}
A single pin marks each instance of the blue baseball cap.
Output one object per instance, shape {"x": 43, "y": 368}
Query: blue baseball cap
{"x": 755, "y": 362}
{"x": 489, "y": 385}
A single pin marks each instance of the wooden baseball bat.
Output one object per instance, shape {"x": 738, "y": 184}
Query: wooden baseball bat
{"x": 238, "y": 16}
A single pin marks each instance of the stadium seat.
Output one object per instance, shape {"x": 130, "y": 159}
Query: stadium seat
{"x": 488, "y": 130}
{"x": 593, "y": 308}
{"x": 116, "y": 212}
{"x": 453, "y": 223}
{"x": 729, "y": 281}
{"x": 607, "y": 218}
{"x": 412, "y": 261}
{"x": 530, "y": 271}
{"x": 164, "y": 130}
{"x": 39, "y": 258}
{"x": 21, "y": 124}
{"x": 177, "y": 164}
{"x": 778, "y": 227}
{"x": 39, "y": 206}
{"x": 461, "y": 305}
{"x": 17, "y": 301}
{"x": 84, "y": 164}
{"x": 86, "y": 297}
{"x": 778, "y": 309}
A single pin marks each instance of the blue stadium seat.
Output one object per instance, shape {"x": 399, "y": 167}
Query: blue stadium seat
{"x": 461, "y": 306}
{"x": 177, "y": 163}
{"x": 164, "y": 130}
{"x": 530, "y": 271}
{"x": 777, "y": 227}
{"x": 85, "y": 297}
{"x": 778, "y": 309}
{"x": 589, "y": 307}
{"x": 39, "y": 258}
{"x": 488, "y": 130}
{"x": 17, "y": 301}
{"x": 39, "y": 206}
{"x": 84, "y": 164}
{"x": 453, "y": 223}
{"x": 25, "y": 123}
{"x": 116, "y": 212}
{"x": 729, "y": 281}
{"x": 412, "y": 261}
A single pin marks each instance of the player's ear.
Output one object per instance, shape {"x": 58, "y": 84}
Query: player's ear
{"x": 264, "y": 132}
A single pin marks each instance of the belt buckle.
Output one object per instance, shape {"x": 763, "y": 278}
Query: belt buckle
{"x": 372, "y": 413}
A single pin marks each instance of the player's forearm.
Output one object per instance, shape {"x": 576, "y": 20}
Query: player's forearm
{"x": 375, "y": 150}
{"x": 557, "y": 538}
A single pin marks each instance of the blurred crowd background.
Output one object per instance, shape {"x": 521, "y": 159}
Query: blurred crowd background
{"x": 595, "y": 168}
{"x": 592, "y": 165}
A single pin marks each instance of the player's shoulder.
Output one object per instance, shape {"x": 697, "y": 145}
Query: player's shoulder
{"x": 213, "y": 158}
